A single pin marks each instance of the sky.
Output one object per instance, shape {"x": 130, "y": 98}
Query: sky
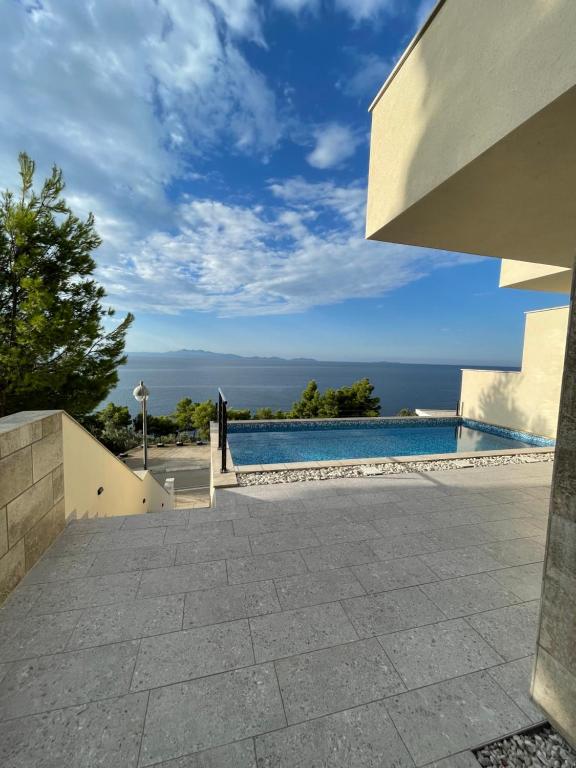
{"x": 223, "y": 148}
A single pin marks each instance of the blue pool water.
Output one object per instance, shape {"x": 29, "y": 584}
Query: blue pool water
{"x": 269, "y": 443}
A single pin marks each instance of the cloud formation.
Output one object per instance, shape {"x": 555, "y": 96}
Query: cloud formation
{"x": 335, "y": 143}
{"x": 125, "y": 95}
{"x": 303, "y": 249}
{"x": 358, "y": 10}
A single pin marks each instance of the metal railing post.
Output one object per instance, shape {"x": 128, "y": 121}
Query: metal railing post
{"x": 224, "y": 435}
{"x": 222, "y": 428}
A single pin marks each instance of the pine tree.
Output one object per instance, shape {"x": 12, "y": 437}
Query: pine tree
{"x": 54, "y": 349}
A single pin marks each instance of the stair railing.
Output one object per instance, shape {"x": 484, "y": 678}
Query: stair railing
{"x": 222, "y": 428}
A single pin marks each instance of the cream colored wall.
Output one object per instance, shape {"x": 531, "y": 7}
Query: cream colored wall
{"x": 479, "y": 72}
{"x": 89, "y": 466}
{"x": 527, "y": 400}
{"x": 534, "y": 277}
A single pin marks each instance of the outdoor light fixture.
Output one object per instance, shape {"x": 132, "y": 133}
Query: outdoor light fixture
{"x": 142, "y": 394}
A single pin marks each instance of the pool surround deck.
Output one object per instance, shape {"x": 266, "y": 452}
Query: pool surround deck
{"x": 347, "y": 622}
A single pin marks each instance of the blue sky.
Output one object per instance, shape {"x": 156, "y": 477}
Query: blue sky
{"x": 223, "y": 148}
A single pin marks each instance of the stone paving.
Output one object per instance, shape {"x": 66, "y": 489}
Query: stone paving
{"x": 361, "y": 623}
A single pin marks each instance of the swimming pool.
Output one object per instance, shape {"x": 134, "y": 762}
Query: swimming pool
{"x": 292, "y": 441}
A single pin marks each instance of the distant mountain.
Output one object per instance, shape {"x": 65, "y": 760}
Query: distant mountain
{"x": 205, "y": 354}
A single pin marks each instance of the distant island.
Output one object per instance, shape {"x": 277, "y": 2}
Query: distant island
{"x": 204, "y": 354}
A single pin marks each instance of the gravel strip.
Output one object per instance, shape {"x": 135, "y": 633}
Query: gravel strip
{"x": 390, "y": 468}
{"x": 538, "y": 747}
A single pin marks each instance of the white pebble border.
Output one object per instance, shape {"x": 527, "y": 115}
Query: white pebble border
{"x": 390, "y": 468}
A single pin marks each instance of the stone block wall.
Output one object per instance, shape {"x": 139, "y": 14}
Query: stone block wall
{"x": 32, "y": 511}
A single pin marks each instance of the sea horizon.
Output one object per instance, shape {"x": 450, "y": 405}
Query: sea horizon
{"x": 277, "y": 383}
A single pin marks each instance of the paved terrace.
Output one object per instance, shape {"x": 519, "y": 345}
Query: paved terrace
{"x": 340, "y": 624}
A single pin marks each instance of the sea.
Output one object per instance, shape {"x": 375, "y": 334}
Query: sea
{"x": 277, "y": 384}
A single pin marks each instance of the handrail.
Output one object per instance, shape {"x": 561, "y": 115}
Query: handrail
{"x": 222, "y": 427}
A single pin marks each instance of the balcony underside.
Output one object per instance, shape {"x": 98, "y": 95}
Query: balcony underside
{"x": 514, "y": 201}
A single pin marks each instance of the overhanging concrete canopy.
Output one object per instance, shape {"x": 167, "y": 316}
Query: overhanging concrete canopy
{"x": 474, "y": 139}
{"x": 534, "y": 277}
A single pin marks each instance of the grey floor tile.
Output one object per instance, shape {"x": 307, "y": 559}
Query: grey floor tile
{"x": 510, "y": 529}
{"x": 66, "y": 679}
{"x": 176, "y": 517}
{"x": 253, "y": 526}
{"x": 280, "y": 541}
{"x": 212, "y": 606}
{"x": 333, "y": 534}
{"x": 20, "y": 601}
{"x": 23, "y": 638}
{"x": 449, "y": 564}
{"x": 211, "y": 711}
{"x": 191, "y": 653}
{"x": 140, "y": 537}
{"x": 458, "y": 536}
{"x": 125, "y": 560}
{"x": 393, "y": 574}
{"x": 321, "y": 517}
{"x": 363, "y": 737}
{"x": 469, "y": 594}
{"x": 262, "y": 567}
{"x": 217, "y": 514}
{"x": 446, "y": 718}
{"x": 391, "y": 611}
{"x": 299, "y": 631}
{"x": 523, "y": 580}
{"x": 105, "y": 734}
{"x": 461, "y": 760}
{"x": 274, "y": 509}
{"x": 128, "y": 621}
{"x": 197, "y": 531}
{"x": 320, "y": 587}
{"x": 82, "y": 593}
{"x": 338, "y": 555}
{"x": 390, "y": 547}
{"x": 510, "y": 631}
{"x": 70, "y": 545}
{"x": 333, "y": 679}
{"x": 438, "y": 652}
{"x": 182, "y": 578}
{"x": 515, "y": 678}
{"x": 330, "y": 503}
{"x": 59, "y": 568}
{"x": 375, "y": 511}
{"x": 212, "y": 548}
{"x": 238, "y": 755}
{"x": 94, "y": 525}
{"x": 404, "y": 524}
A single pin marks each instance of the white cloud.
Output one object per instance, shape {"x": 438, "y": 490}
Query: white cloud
{"x": 335, "y": 143}
{"x": 296, "y": 6}
{"x": 126, "y": 95}
{"x": 362, "y": 10}
{"x": 304, "y": 250}
{"x": 358, "y": 10}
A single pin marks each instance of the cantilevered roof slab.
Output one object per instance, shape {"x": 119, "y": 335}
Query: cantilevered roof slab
{"x": 473, "y": 143}
{"x": 535, "y": 277}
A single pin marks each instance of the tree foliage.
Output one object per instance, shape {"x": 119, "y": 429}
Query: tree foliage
{"x": 355, "y": 400}
{"x": 54, "y": 349}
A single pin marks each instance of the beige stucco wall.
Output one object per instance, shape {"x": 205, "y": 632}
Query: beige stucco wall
{"x": 535, "y": 277}
{"x": 527, "y": 400}
{"x": 474, "y": 134}
{"x": 89, "y": 466}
